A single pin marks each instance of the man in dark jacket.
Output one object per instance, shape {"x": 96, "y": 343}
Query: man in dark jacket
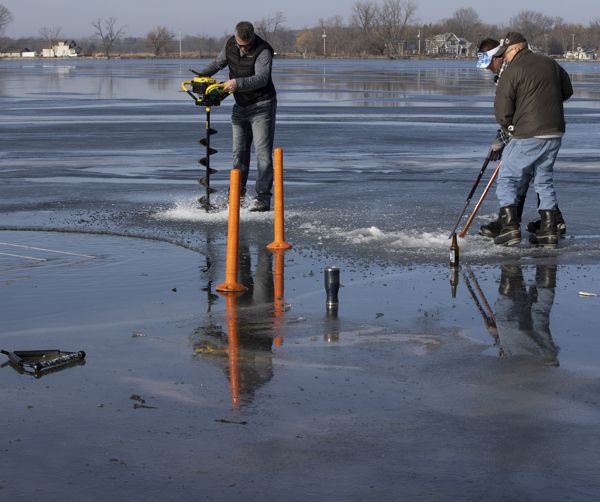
{"x": 488, "y": 60}
{"x": 529, "y": 104}
{"x": 250, "y": 59}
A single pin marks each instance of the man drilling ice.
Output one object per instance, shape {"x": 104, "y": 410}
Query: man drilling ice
{"x": 250, "y": 59}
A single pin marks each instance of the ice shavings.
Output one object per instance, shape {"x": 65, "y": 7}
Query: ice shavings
{"x": 392, "y": 240}
{"x": 398, "y": 239}
{"x": 190, "y": 210}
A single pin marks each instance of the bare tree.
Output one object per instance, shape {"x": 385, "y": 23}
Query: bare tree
{"x": 534, "y": 26}
{"x": 5, "y": 17}
{"x": 394, "y": 17}
{"x": 308, "y": 42}
{"x": 159, "y": 39}
{"x": 465, "y": 23}
{"x": 268, "y": 27}
{"x": 366, "y": 16}
{"x": 337, "y": 37}
{"x": 50, "y": 34}
{"x": 108, "y": 33}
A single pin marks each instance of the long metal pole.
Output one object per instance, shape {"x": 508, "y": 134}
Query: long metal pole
{"x": 207, "y": 159}
{"x": 473, "y": 188}
{"x": 480, "y": 201}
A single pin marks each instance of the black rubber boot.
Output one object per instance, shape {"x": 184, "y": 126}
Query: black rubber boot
{"x": 547, "y": 235}
{"x": 561, "y": 226}
{"x": 510, "y": 233}
{"x": 492, "y": 229}
{"x": 545, "y": 276}
{"x": 260, "y": 205}
{"x": 511, "y": 281}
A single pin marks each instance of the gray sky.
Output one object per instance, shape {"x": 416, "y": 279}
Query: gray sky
{"x": 194, "y": 17}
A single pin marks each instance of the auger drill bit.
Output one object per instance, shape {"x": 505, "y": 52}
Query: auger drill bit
{"x": 205, "y": 161}
{"x": 205, "y": 91}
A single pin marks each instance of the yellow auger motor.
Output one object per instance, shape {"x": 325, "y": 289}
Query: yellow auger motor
{"x": 207, "y": 92}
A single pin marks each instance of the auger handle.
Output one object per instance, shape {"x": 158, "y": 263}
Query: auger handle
{"x": 220, "y": 85}
{"x": 183, "y": 86}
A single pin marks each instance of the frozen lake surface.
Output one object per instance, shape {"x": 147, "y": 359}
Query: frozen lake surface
{"x": 379, "y": 155}
{"x": 490, "y": 394}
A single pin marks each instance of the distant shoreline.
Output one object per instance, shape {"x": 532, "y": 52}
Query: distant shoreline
{"x": 278, "y": 56}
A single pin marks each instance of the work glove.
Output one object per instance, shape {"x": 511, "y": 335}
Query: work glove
{"x": 502, "y": 139}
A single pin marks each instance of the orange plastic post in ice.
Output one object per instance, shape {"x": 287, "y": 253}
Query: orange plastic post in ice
{"x": 233, "y": 352}
{"x": 233, "y": 228}
{"x": 279, "y": 242}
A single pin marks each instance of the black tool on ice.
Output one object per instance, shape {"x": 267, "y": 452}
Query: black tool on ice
{"x": 205, "y": 91}
{"x": 36, "y": 361}
{"x": 473, "y": 188}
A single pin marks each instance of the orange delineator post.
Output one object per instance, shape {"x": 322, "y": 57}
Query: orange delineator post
{"x": 233, "y": 228}
{"x": 279, "y": 242}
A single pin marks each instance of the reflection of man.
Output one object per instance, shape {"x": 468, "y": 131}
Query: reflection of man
{"x": 522, "y": 317}
{"x": 249, "y": 59}
{"x": 529, "y": 104}
{"x": 259, "y": 290}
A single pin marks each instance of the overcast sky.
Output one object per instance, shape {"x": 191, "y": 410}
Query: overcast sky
{"x": 217, "y": 17}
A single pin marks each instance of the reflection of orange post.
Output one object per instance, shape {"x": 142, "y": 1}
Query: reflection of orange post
{"x": 279, "y": 242}
{"x": 278, "y": 294}
{"x": 233, "y": 228}
{"x": 278, "y": 277}
{"x": 234, "y": 349}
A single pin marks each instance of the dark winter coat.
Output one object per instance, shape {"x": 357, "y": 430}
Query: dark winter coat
{"x": 530, "y": 96}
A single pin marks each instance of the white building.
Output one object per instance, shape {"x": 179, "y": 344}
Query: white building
{"x": 65, "y": 49}
{"x": 25, "y": 53}
{"x": 447, "y": 44}
{"x": 581, "y": 54}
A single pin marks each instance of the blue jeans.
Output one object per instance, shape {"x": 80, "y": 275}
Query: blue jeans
{"x": 255, "y": 122}
{"x": 523, "y": 160}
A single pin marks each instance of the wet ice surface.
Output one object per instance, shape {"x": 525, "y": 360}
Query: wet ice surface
{"x": 406, "y": 388}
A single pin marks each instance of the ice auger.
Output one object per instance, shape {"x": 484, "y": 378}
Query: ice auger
{"x": 205, "y": 91}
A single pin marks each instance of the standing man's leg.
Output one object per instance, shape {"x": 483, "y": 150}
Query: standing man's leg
{"x": 515, "y": 173}
{"x": 543, "y": 182}
{"x": 263, "y": 131}
{"x": 544, "y": 174}
{"x": 242, "y": 143}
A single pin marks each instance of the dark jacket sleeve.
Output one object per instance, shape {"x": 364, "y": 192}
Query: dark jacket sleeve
{"x": 504, "y": 102}
{"x": 566, "y": 86}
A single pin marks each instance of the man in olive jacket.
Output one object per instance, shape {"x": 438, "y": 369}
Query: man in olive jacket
{"x": 250, "y": 60}
{"x": 529, "y": 105}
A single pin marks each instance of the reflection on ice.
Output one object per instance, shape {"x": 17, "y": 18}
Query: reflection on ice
{"x": 519, "y": 322}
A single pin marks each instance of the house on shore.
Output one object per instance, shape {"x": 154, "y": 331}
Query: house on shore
{"x": 448, "y": 45}
{"x": 66, "y": 49}
{"x": 581, "y": 54}
{"x": 24, "y": 53}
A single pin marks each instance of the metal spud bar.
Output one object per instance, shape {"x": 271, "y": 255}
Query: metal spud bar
{"x": 480, "y": 201}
